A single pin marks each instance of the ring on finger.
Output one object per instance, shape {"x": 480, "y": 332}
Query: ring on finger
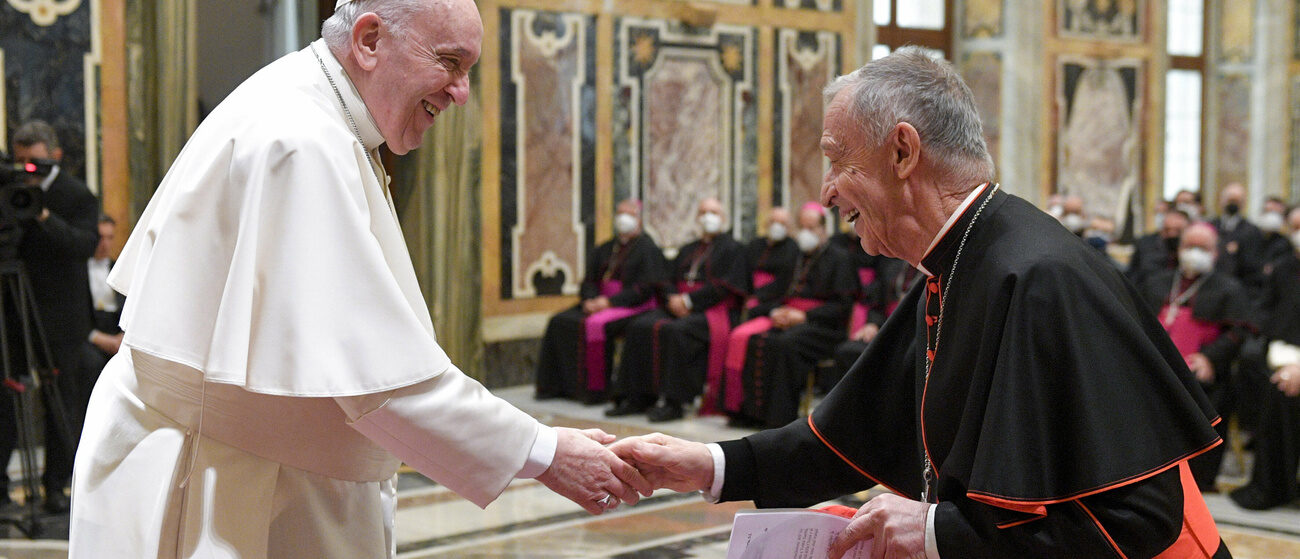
{"x": 608, "y": 501}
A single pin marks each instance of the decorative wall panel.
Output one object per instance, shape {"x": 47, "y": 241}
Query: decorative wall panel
{"x": 981, "y": 19}
{"x": 1102, "y": 20}
{"x": 684, "y": 126}
{"x": 983, "y": 74}
{"x": 1233, "y": 141}
{"x": 51, "y": 72}
{"x": 548, "y": 136}
{"x": 805, "y": 62}
{"x": 1098, "y": 139}
{"x": 1238, "y": 31}
{"x": 823, "y": 5}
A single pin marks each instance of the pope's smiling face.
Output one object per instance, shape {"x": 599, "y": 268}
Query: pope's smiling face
{"x": 422, "y": 70}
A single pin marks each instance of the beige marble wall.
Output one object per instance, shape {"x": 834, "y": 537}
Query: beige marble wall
{"x": 804, "y": 68}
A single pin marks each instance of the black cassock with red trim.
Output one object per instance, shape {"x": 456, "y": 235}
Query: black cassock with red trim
{"x": 1057, "y": 414}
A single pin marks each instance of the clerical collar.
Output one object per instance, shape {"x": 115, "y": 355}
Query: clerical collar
{"x": 371, "y": 137}
{"x": 49, "y": 179}
{"x": 934, "y": 254}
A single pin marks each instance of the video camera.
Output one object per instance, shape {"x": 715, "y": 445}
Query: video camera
{"x": 20, "y": 201}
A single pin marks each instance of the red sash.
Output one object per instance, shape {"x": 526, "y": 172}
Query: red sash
{"x": 859, "y": 317}
{"x": 761, "y": 278}
{"x": 594, "y": 330}
{"x": 737, "y": 342}
{"x": 1187, "y": 332}
{"x": 719, "y": 318}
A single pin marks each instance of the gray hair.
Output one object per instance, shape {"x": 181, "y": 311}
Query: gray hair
{"x": 910, "y": 86}
{"x": 337, "y": 29}
{"x": 36, "y": 132}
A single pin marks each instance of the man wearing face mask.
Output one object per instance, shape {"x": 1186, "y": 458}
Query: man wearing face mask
{"x": 1241, "y": 244}
{"x": 670, "y": 351}
{"x": 789, "y": 336}
{"x": 1207, "y": 314}
{"x": 1277, "y": 438}
{"x": 1272, "y": 223}
{"x": 622, "y": 275}
{"x": 1158, "y": 251}
{"x": 1072, "y": 216}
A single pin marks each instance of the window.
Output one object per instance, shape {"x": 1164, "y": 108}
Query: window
{"x": 1184, "y": 96}
{"x": 924, "y": 23}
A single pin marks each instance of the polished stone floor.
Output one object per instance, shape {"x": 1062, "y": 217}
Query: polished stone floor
{"x": 528, "y": 521}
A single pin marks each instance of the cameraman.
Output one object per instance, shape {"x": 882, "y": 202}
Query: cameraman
{"x": 54, "y": 248}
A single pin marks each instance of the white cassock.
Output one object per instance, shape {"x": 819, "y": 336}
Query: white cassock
{"x": 279, "y": 359}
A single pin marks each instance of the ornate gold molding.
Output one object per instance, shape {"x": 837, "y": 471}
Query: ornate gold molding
{"x": 45, "y": 12}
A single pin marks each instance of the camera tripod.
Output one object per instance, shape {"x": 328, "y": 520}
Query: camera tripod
{"x": 25, "y": 387}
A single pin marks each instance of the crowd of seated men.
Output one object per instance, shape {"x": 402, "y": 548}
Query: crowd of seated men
{"x": 1227, "y": 290}
{"x": 737, "y": 327}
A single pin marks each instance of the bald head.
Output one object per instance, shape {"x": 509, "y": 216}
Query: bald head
{"x": 1202, "y": 236}
{"x": 779, "y": 215}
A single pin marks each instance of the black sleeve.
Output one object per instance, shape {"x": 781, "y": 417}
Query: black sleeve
{"x": 786, "y": 467}
{"x": 591, "y": 283}
{"x": 834, "y": 313}
{"x": 1238, "y": 325}
{"x": 644, "y": 271}
{"x": 1141, "y": 519}
{"x": 726, "y": 276}
{"x": 69, "y": 234}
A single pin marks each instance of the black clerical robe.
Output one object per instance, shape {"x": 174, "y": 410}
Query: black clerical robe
{"x": 668, "y": 356}
{"x": 1241, "y": 250}
{"x": 1152, "y": 253}
{"x": 893, "y": 279}
{"x": 1057, "y": 414}
{"x": 771, "y": 267}
{"x": 629, "y": 274}
{"x": 776, "y": 362}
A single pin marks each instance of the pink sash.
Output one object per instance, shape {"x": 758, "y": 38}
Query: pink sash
{"x": 594, "y": 328}
{"x": 737, "y": 343}
{"x": 1188, "y": 333}
{"x": 719, "y": 318}
{"x": 760, "y": 279}
{"x": 859, "y": 317}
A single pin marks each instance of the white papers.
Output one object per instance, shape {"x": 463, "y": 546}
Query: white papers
{"x": 788, "y": 534}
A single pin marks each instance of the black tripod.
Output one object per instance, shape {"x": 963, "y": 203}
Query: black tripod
{"x": 26, "y": 386}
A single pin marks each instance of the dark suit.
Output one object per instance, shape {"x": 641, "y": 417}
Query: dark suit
{"x": 54, "y": 253}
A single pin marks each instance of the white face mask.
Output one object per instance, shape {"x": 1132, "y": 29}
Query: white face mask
{"x": 1191, "y": 211}
{"x": 1056, "y": 210}
{"x": 1160, "y": 221}
{"x": 624, "y": 224}
{"x": 1270, "y": 222}
{"x": 1075, "y": 223}
{"x": 1195, "y": 261}
{"x": 1295, "y": 240}
{"x": 711, "y": 223}
{"x": 776, "y": 232}
{"x": 808, "y": 241}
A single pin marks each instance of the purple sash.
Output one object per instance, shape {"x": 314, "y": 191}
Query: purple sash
{"x": 719, "y": 318}
{"x": 594, "y": 328}
{"x": 760, "y": 279}
{"x": 737, "y": 343}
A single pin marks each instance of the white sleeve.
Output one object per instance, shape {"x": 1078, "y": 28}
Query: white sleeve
{"x": 931, "y": 542}
{"x": 714, "y": 494}
{"x": 453, "y": 430}
{"x": 542, "y": 453}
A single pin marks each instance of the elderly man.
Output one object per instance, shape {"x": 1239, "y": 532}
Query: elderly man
{"x": 670, "y": 351}
{"x": 1021, "y": 402}
{"x": 1207, "y": 315}
{"x": 789, "y": 335}
{"x": 1277, "y": 439}
{"x": 622, "y": 276}
{"x": 280, "y": 361}
{"x": 1158, "y": 251}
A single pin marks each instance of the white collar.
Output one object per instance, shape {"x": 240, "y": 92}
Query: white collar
{"x": 371, "y": 137}
{"x": 952, "y": 220}
{"x": 49, "y": 180}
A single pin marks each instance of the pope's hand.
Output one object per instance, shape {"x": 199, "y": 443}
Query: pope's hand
{"x": 585, "y": 472}
{"x": 895, "y": 525}
{"x": 668, "y": 462}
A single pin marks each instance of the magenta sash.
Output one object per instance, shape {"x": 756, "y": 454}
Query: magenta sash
{"x": 719, "y": 318}
{"x": 737, "y": 343}
{"x": 594, "y": 330}
{"x": 858, "y": 318}
{"x": 760, "y": 279}
{"x": 1188, "y": 333}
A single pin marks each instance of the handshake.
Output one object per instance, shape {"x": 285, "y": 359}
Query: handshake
{"x": 599, "y": 477}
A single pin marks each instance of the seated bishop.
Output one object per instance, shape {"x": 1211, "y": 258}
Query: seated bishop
{"x": 668, "y": 352}
{"x": 622, "y": 277}
{"x": 787, "y": 338}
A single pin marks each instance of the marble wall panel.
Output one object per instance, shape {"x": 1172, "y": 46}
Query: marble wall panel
{"x": 806, "y": 61}
{"x": 49, "y": 65}
{"x": 1238, "y": 31}
{"x": 822, "y": 5}
{"x": 548, "y": 138}
{"x": 981, "y": 19}
{"x": 983, "y": 74}
{"x": 1102, "y": 20}
{"x": 682, "y": 98}
{"x": 1294, "y": 193}
{"x": 1233, "y": 139}
{"x": 1099, "y": 156}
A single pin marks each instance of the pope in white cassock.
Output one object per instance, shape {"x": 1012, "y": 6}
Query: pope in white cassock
{"x": 281, "y": 361}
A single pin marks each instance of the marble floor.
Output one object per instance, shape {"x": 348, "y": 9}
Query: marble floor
{"x": 528, "y": 521}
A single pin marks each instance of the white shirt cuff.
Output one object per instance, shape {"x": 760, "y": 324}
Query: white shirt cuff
{"x": 931, "y": 541}
{"x": 542, "y": 453}
{"x": 714, "y": 494}
{"x": 686, "y": 300}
